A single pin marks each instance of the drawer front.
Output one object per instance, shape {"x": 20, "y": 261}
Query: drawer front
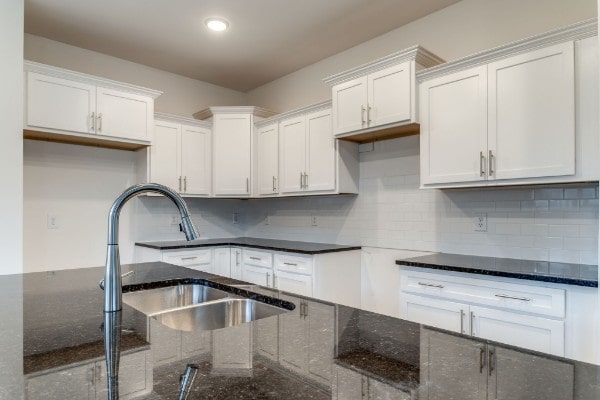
{"x": 294, "y": 264}
{"x": 509, "y": 296}
{"x": 257, "y": 258}
{"x": 188, "y": 258}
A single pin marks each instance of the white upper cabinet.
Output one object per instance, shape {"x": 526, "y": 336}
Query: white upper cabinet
{"x": 180, "y": 155}
{"x": 518, "y": 114}
{"x": 70, "y": 107}
{"x": 267, "y": 154}
{"x": 378, "y": 96}
{"x": 293, "y": 154}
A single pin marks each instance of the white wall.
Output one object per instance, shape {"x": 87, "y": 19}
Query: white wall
{"x": 453, "y": 32}
{"x": 11, "y": 136}
{"x": 182, "y": 96}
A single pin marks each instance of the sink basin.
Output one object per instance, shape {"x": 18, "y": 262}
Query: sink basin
{"x": 173, "y": 297}
{"x": 217, "y": 315}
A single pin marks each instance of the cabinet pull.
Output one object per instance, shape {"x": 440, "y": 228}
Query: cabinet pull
{"x": 93, "y": 121}
{"x": 301, "y": 180}
{"x": 268, "y": 276}
{"x": 180, "y": 184}
{"x": 247, "y": 185}
{"x": 430, "y": 285}
{"x": 481, "y": 359}
{"x": 188, "y": 258}
{"x": 292, "y": 264}
{"x": 505, "y": 296}
{"x": 274, "y": 280}
{"x": 491, "y": 362}
{"x": 362, "y": 114}
{"x": 472, "y": 321}
{"x": 100, "y": 122}
{"x": 237, "y": 259}
{"x": 481, "y": 164}
{"x": 274, "y": 184}
{"x": 255, "y": 258}
{"x": 462, "y": 317}
{"x": 305, "y": 180}
{"x": 369, "y": 115}
{"x": 491, "y": 163}
{"x": 185, "y": 184}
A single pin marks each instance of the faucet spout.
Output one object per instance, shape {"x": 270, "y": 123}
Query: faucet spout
{"x": 112, "y": 279}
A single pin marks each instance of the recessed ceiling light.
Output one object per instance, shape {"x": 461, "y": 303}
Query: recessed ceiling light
{"x": 216, "y": 24}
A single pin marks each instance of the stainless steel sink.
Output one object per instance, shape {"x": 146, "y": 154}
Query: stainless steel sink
{"x": 173, "y": 297}
{"x": 217, "y": 315}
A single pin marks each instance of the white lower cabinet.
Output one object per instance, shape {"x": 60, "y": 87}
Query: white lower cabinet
{"x": 200, "y": 260}
{"x": 468, "y": 369}
{"x": 89, "y": 381}
{"x": 170, "y": 345}
{"x": 351, "y": 385}
{"x": 236, "y": 263}
{"x": 222, "y": 262}
{"x": 517, "y": 314}
{"x": 232, "y": 350}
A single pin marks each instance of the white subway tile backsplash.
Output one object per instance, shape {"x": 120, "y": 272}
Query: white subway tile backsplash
{"x": 548, "y": 242}
{"x": 580, "y": 193}
{"x": 563, "y": 230}
{"x": 548, "y": 194}
{"x": 535, "y": 229}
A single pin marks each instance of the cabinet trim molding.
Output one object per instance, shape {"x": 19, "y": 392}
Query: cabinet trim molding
{"x": 294, "y": 113}
{"x": 31, "y": 66}
{"x": 577, "y": 31}
{"x": 181, "y": 120}
{"x": 255, "y": 111}
{"x": 421, "y": 56}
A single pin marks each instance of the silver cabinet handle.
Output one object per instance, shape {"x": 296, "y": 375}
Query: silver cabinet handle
{"x": 237, "y": 258}
{"x": 292, "y": 264}
{"x": 274, "y": 184}
{"x": 505, "y": 296}
{"x": 268, "y": 276}
{"x": 491, "y": 361}
{"x": 305, "y": 180}
{"x": 247, "y": 185}
{"x": 481, "y": 164}
{"x": 362, "y": 114}
{"x": 369, "y": 115}
{"x": 472, "y": 321}
{"x": 481, "y": 359}
{"x": 188, "y": 258}
{"x": 301, "y": 180}
{"x": 274, "y": 280}
{"x": 185, "y": 183}
{"x": 93, "y": 121}
{"x": 180, "y": 183}
{"x": 462, "y": 317}
{"x": 255, "y": 258}
{"x": 100, "y": 122}
{"x": 430, "y": 285}
{"x": 305, "y": 310}
{"x": 491, "y": 163}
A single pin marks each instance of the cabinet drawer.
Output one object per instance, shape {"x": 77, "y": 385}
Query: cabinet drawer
{"x": 188, "y": 258}
{"x": 295, "y": 264}
{"x": 518, "y": 297}
{"x": 258, "y": 258}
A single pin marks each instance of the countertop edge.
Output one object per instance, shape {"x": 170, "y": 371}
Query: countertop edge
{"x": 254, "y": 246}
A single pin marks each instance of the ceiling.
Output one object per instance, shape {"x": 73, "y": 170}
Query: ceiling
{"x": 267, "y": 39}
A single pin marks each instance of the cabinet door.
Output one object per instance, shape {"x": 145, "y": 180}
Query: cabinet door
{"x": 222, "y": 261}
{"x": 293, "y": 346}
{"x": 71, "y": 383}
{"x": 232, "y": 349}
{"x": 349, "y": 101}
{"x": 236, "y": 263}
{"x": 195, "y": 160}
{"x": 439, "y": 313}
{"x": 257, "y": 275}
{"x": 390, "y": 95}
{"x": 451, "y": 367}
{"x": 194, "y": 343}
{"x": 123, "y": 114}
{"x": 61, "y": 104}
{"x": 453, "y": 116}
{"x": 532, "y": 114}
{"x": 267, "y": 154}
{"x": 232, "y": 168}
{"x": 535, "y": 333}
{"x": 348, "y": 384}
{"x": 134, "y": 376}
{"x": 165, "y": 167}
{"x": 294, "y": 283}
{"x": 266, "y": 338}
{"x": 165, "y": 343}
{"x": 321, "y": 341}
{"x": 520, "y": 376}
{"x": 293, "y": 154}
{"x": 381, "y": 391}
{"x": 320, "y": 150}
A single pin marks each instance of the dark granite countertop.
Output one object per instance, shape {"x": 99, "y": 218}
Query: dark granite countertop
{"x": 257, "y": 243}
{"x": 544, "y": 271}
{"x": 54, "y": 322}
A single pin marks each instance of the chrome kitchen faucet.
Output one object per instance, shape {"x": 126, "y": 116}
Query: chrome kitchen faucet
{"x": 113, "y": 292}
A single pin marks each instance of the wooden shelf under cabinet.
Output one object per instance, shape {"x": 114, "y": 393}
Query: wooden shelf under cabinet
{"x": 83, "y": 140}
{"x": 383, "y": 134}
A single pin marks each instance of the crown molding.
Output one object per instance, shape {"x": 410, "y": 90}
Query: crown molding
{"x": 211, "y": 111}
{"x": 295, "y": 113}
{"x": 416, "y": 53}
{"x": 580, "y": 30}
{"x": 30, "y": 66}
{"x": 181, "y": 120}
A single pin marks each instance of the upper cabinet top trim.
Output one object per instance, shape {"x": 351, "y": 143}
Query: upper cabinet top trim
{"x": 256, "y": 111}
{"x": 181, "y": 120}
{"x": 294, "y": 113}
{"x": 30, "y": 66}
{"x": 580, "y": 30}
{"x": 417, "y": 53}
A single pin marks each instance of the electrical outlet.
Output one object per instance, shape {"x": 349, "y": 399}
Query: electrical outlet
{"x": 52, "y": 221}
{"x": 235, "y": 218}
{"x": 314, "y": 221}
{"x": 174, "y": 220}
{"x": 480, "y": 221}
